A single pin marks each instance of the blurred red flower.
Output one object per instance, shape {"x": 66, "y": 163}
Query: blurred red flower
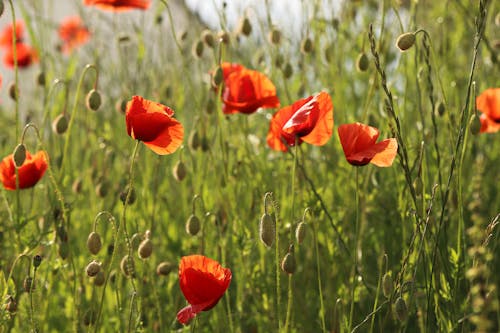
{"x": 203, "y": 281}
{"x": 246, "y": 90}
{"x": 6, "y": 34}
{"x": 73, "y": 33}
{"x": 360, "y": 147}
{"x": 153, "y": 124}
{"x": 489, "y": 104}
{"x": 30, "y": 172}
{"x": 309, "y": 119}
{"x": 119, "y": 5}
{"x": 24, "y": 53}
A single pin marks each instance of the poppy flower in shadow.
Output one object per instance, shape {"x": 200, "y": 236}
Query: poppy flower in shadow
{"x": 359, "y": 142}
{"x": 307, "y": 120}
{"x": 6, "y": 34}
{"x": 153, "y": 124}
{"x": 24, "y": 53}
{"x": 119, "y": 5}
{"x": 203, "y": 281}
{"x": 489, "y": 104}
{"x": 29, "y": 173}
{"x": 73, "y": 33}
{"x": 246, "y": 90}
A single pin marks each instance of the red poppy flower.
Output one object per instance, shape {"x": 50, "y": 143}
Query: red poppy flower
{"x": 119, "y": 5}
{"x": 152, "y": 123}
{"x": 246, "y": 90}
{"x": 203, "y": 281}
{"x": 30, "y": 172}
{"x": 6, "y": 34}
{"x": 24, "y": 53}
{"x": 309, "y": 119}
{"x": 489, "y": 103}
{"x": 360, "y": 147}
{"x": 73, "y": 33}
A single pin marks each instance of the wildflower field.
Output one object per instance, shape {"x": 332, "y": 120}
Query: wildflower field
{"x": 159, "y": 176}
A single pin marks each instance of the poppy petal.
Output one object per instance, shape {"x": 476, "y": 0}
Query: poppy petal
{"x": 322, "y": 130}
{"x": 386, "y": 152}
{"x": 169, "y": 140}
{"x": 488, "y": 125}
{"x": 488, "y": 102}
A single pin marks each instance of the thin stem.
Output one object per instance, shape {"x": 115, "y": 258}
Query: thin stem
{"x": 355, "y": 251}
{"x": 318, "y": 273}
{"x": 16, "y": 67}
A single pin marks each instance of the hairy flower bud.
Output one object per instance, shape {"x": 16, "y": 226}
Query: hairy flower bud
{"x": 362, "y": 62}
{"x": 19, "y": 155}
{"x": 145, "y": 249}
{"x": 193, "y": 225}
{"x": 93, "y": 100}
{"x": 94, "y": 243}
{"x": 245, "y": 27}
{"x": 60, "y": 124}
{"x": 164, "y": 268}
{"x": 405, "y": 41}
{"x": 179, "y": 171}
{"x": 267, "y": 229}
{"x": 93, "y": 268}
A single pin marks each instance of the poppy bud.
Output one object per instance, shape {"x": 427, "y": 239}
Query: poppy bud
{"x": 99, "y": 279}
{"x": 135, "y": 240}
{"x": 401, "y": 309}
{"x": 13, "y": 92}
{"x": 245, "y": 27}
{"x": 287, "y": 70}
{"x": 131, "y": 196}
{"x": 279, "y": 60}
{"x": 147, "y": 234}
{"x": 218, "y": 76}
{"x": 194, "y": 140}
{"x": 11, "y": 305}
{"x": 362, "y": 62}
{"x": 205, "y": 144}
{"x": 77, "y": 186}
{"x": 387, "y": 285}
{"x": 60, "y": 124}
{"x": 300, "y": 232}
{"x": 93, "y": 268}
{"x": 197, "y": 49}
{"x": 101, "y": 190}
{"x": 193, "y": 225}
{"x": 208, "y": 38}
{"x": 164, "y": 268}
{"x": 274, "y": 36}
{"x": 19, "y": 155}
{"x": 224, "y": 37}
{"x": 145, "y": 249}
{"x": 37, "y": 260}
{"x": 28, "y": 284}
{"x": 288, "y": 263}
{"x": 93, "y": 100}
{"x": 267, "y": 229}
{"x": 474, "y": 124}
{"x": 405, "y": 41}
{"x": 440, "y": 108}
{"x": 127, "y": 266}
{"x": 40, "y": 79}
{"x": 306, "y": 46}
{"x": 209, "y": 108}
{"x": 121, "y": 105}
{"x": 94, "y": 243}
{"x": 179, "y": 171}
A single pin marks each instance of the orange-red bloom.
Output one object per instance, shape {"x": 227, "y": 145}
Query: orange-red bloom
{"x": 119, "y": 5}
{"x": 309, "y": 119}
{"x": 489, "y": 103}
{"x": 24, "y": 53}
{"x": 30, "y": 172}
{"x": 360, "y": 147}
{"x": 246, "y": 90}
{"x": 6, "y": 34}
{"x": 203, "y": 281}
{"x": 153, "y": 124}
{"x": 73, "y": 33}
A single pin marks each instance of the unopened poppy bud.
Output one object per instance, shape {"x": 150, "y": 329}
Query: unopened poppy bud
{"x": 60, "y": 124}
{"x": 194, "y": 140}
{"x": 13, "y": 91}
{"x": 40, "y": 79}
{"x": 405, "y": 41}
{"x": 93, "y": 100}
{"x": 300, "y": 232}
{"x": 245, "y": 27}
{"x": 218, "y": 76}
{"x": 210, "y": 106}
{"x": 99, "y": 279}
{"x": 306, "y": 46}
{"x": 387, "y": 285}
{"x": 19, "y": 155}
{"x": 288, "y": 264}
{"x": 193, "y": 225}
{"x": 145, "y": 249}
{"x": 267, "y": 229}
{"x": 94, "y": 243}
{"x": 197, "y": 49}
{"x": 205, "y": 144}
{"x": 362, "y": 62}
{"x": 208, "y": 38}
{"x": 475, "y": 124}
{"x": 28, "y": 284}
{"x": 400, "y": 309}
{"x": 224, "y": 37}
{"x": 440, "y": 108}
{"x": 147, "y": 234}
{"x": 127, "y": 266}
{"x": 274, "y": 36}
{"x": 121, "y": 105}
{"x": 135, "y": 240}
{"x": 287, "y": 70}
{"x": 11, "y": 305}
{"x": 101, "y": 190}
{"x": 77, "y": 185}
{"x": 93, "y": 268}
{"x": 131, "y": 196}
{"x": 37, "y": 260}
{"x": 164, "y": 268}
{"x": 179, "y": 171}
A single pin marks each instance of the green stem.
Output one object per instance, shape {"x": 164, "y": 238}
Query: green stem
{"x": 318, "y": 272}
{"x": 355, "y": 251}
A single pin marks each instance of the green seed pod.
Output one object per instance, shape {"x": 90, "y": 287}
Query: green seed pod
{"x": 267, "y": 229}
{"x": 37, "y": 260}
{"x": 475, "y": 124}
{"x": 164, "y": 268}
{"x": 145, "y": 249}
{"x": 93, "y": 268}
{"x": 77, "y": 186}
{"x": 179, "y": 171}
{"x": 19, "y": 155}
{"x": 131, "y": 197}
{"x": 101, "y": 190}
{"x": 418, "y": 185}
{"x": 40, "y": 79}
{"x": 387, "y": 285}
{"x": 121, "y": 106}
{"x": 99, "y": 279}
{"x": 94, "y": 243}
{"x": 205, "y": 144}
{"x": 210, "y": 106}
{"x": 362, "y": 62}
{"x": 400, "y": 309}
{"x": 208, "y": 38}
{"x": 197, "y": 49}
{"x": 288, "y": 264}
{"x": 274, "y": 36}
{"x": 224, "y": 37}
{"x": 127, "y": 266}
{"x": 287, "y": 70}
{"x": 135, "y": 241}
{"x": 93, "y": 100}
{"x": 306, "y": 46}
{"x": 245, "y": 27}
{"x": 405, "y": 41}
{"x": 13, "y": 92}
{"x": 89, "y": 317}
{"x": 194, "y": 140}
{"x": 60, "y": 124}
{"x": 440, "y": 108}
{"x": 193, "y": 225}
{"x": 218, "y": 76}
{"x": 300, "y": 232}
{"x": 28, "y": 284}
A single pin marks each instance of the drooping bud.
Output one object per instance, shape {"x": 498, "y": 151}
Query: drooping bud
{"x": 13, "y": 91}
{"x": 210, "y": 106}
{"x": 121, "y": 105}
{"x": 99, "y": 279}
{"x": 93, "y": 100}
{"x": 179, "y": 171}
{"x": 193, "y": 225}
{"x": 274, "y": 36}
{"x": 194, "y": 140}
{"x": 245, "y": 27}
{"x": 28, "y": 284}
{"x": 401, "y": 309}
{"x": 224, "y": 37}
{"x": 77, "y": 185}
{"x": 440, "y": 108}
{"x": 475, "y": 124}
{"x": 60, "y": 124}
{"x": 306, "y": 46}
{"x": 287, "y": 70}
{"x": 300, "y": 232}
{"x": 94, "y": 243}
{"x": 145, "y": 249}
{"x": 40, "y": 79}
{"x": 131, "y": 196}
{"x": 387, "y": 285}
{"x": 267, "y": 229}
{"x": 208, "y": 38}
{"x": 93, "y": 268}
{"x": 164, "y": 268}
{"x": 362, "y": 62}
{"x": 19, "y": 155}
{"x": 288, "y": 264}
{"x": 405, "y": 41}
{"x": 37, "y": 260}
{"x": 101, "y": 190}
{"x": 135, "y": 241}
{"x": 127, "y": 266}
{"x": 11, "y": 305}
{"x": 218, "y": 76}
{"x": 197, "y": 49}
